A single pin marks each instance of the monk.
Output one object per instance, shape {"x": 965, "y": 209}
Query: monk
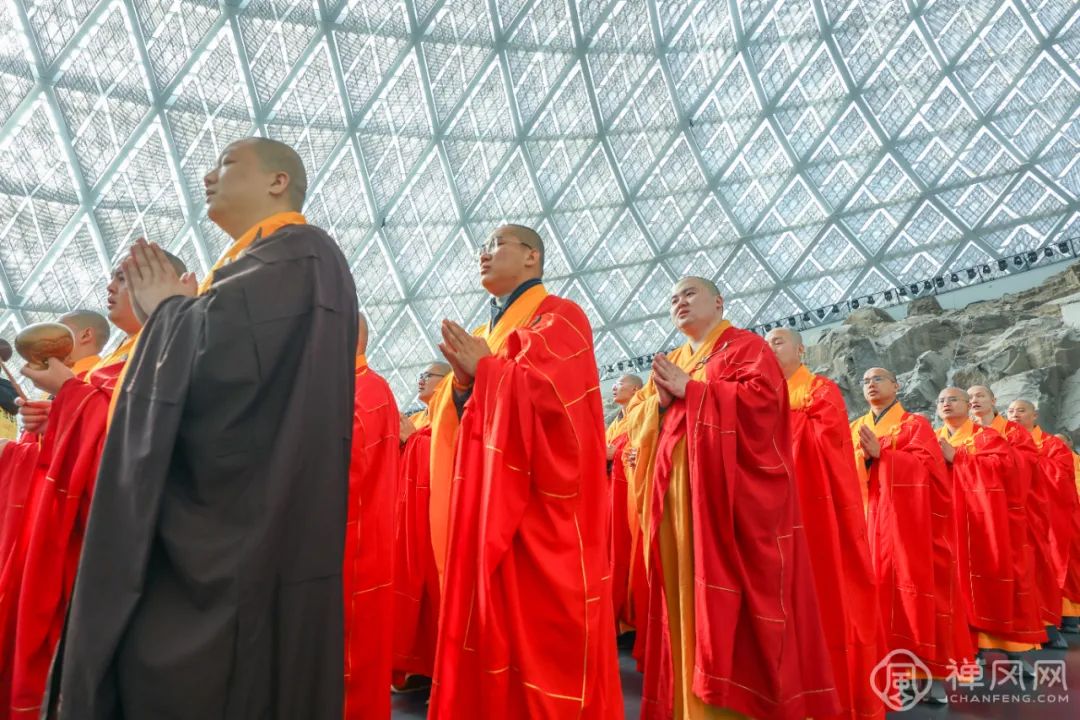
{"x": 210, "y": 583}
{"x": 17, "y": 458}
{"x": 416, "y": 579}
{"x": 832, "y": 509}
{"x": 981, "y": 464}
{"x": 733, "y": 622}
{"x": 1070, "y": 601}
{"x": 73, "y": 427}
{"x": 1061, "y": 505}
{"x": 369, "y": 543}
{"x": 1027, "y": 522}
{"x": 629, "y": 593}
{"x": 910, "y": 519}
{"x": 526, "y": 627}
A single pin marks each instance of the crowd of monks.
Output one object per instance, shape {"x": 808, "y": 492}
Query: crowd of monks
{"x": 226, "y": 516}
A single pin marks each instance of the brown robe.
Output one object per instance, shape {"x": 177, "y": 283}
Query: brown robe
{"x": 210, "y": 582}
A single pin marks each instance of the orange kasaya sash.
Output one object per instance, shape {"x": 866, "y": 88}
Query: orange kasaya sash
{"x": 444, "y": 419}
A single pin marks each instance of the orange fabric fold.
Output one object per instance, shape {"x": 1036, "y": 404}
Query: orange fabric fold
{"x": 261, "y": 229}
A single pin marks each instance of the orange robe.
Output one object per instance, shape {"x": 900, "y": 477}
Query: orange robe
{"x": 527, "y": 628}
{"x": 416, "y": 579}
{"x": 1029, "y": 525}
{"x": 831, "y": 501}
{"x": 1070, "y": 602}
{"x": 910, "y": 520}
{"x": 980, "y": 470}
{"x": 733, "y": 620}
{"x": 369, "y": 539}
{"x": 36, "y": 583}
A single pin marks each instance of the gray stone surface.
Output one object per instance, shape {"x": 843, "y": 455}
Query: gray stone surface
{"x": 1018, "y": 344}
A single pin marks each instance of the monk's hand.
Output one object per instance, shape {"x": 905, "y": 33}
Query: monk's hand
{"x": 52, "y": 378}
{"x": 151, "y": 279}
{"x": 405, "y": 428}
{"x": 610, "y": 452}
{"x": 34, "y": 414}
{"x": 669, "y": 377}
{"x": 463, "y": 351}
{"x": 868, "y": 439}
{"x": 947, "y": 450}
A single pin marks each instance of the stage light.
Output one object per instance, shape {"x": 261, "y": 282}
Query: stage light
{"x": 1063, "y": 247}
{"x": 1048, "y": 252}
{"x": 915, "y": 289}
{"x": 855, "y": 304}
{"x": 1032, "y": 256}
{"x": 1003, "y": 264}
{"x": 939, "y": 281}
{"x": 971, "y": 273}
{"x": 926, "y": 285}
{"x": 835, "y": 309}
{"x": 869, "y": 299}
{"x": 955, "y": 278}
{"x": 1018, "y": 260}
{"x": 806, "y": 317}
{"x": 821, "y": 313}
{"x": 986, "y": 269}
{"x": 888, "y": 296}
{"x": 791, "y": 321}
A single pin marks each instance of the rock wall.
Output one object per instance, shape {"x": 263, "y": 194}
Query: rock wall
{"x": 1024, "y": 345}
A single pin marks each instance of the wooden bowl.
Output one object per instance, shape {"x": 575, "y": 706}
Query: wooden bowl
{"x": 41, "y": 341}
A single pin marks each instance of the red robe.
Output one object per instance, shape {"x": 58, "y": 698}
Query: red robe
{"x": 1070, "y": 590}
{"x": 980, "y": 470}
{"x": 369, "y": 548}
{"x": 832, "y": 510}
{"x": 758, "y": 646}
{"x": 1058, "y": 470}
{"x": 1038, "y": 595}
{"x": 416, "y": 579}
{"x": 911, "y": 522}
{"x": 35, "y": 587}
{"x": 630, "y": 588}
{"x": 526, "y": 627}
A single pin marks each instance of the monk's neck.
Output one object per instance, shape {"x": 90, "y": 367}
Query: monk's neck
{"x": 878, "y": 411}
{"x": 698, "y": 339}
{"x": 789, "y": 372}
{"x": 985, "y": 418}
{"x": 955, "y": 424}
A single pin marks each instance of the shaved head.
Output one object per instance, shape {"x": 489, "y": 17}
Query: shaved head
{"x": 625, "y": 388}
{"x": 276, "y": 156}
{"x": 528, "y": 237}
{"x": 429, "y": 380}
{"x": 787, "y": 343}
{"x": 1023, "y": 412}
{"x": 361, "y": 334}
{"x": 696, "y": 307}
{"x": 439, "y": 368}
{"x": 81, "y": 321}
{"x": 879, "y": 388}
{"x": 982, "y": 401}
{"x": 705, "y": 283}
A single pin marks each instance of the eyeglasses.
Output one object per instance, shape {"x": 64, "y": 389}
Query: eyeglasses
{"x": 876, "y": 380}
{"x": 423, "y": 377}
{"x": 493, "y": 243}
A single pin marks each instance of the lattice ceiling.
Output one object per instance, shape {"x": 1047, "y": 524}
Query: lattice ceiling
{"x": 796, "y": 150}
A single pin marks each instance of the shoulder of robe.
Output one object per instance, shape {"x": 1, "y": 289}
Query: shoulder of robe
{"x": 293, "y": 242}
{"x": 569, "y": 311}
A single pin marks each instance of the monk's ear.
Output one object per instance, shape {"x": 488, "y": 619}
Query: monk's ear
{"x": 280, "y": 185}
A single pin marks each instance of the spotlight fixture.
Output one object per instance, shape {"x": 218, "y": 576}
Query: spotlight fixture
{"x": 888, "y": 296}
{"x": 855, "y": 304}
{"x": 806, "y": 317}
{"x": 1063, "y": 247}
{"x": 1032, "y": 256}
{"x": 926, "y": 285}
{"x": 954, "y": 277}
{"x": 869, "y": 299}
{"x": 915, "y": 289}
{"x": 821, "y": 313}
{"x": 791, "y": 321}
{"x": 986, "y": 269}
{"x": 971, "y": 273}
{"x": 835, "y": 309}
{"x": 901, "y": 291}
{"x": 1048, "y": 252}
{"x": 1003, "y": 264}
{"x": 939, "y": 281}
{"x": 1018, "y": 260}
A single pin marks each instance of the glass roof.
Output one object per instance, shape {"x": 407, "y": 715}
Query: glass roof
{"x": 797, "y": 151}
